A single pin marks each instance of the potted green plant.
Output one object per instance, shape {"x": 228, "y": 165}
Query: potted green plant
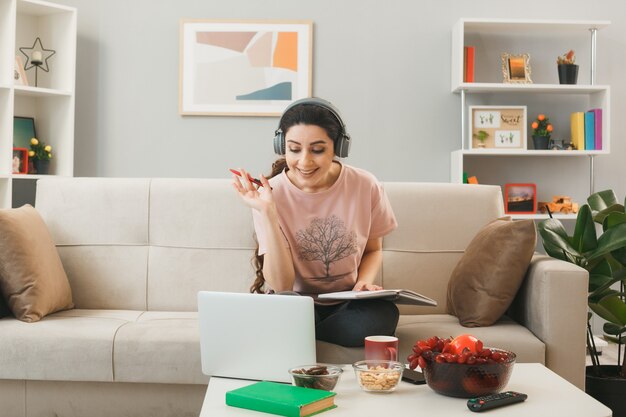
{"x": 604, "y": 257}
{"x": 542, "y": 129}
{"x": 568, "y": 70}
{"x": 482, "y": 136}
{"x": 40, "y": 154}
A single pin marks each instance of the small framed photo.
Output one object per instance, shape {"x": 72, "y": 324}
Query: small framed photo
{"x": 19, "y": 75}
{"x": 516, "y": 68}
{"x": 23, "y": 131}
{"x": 20, "y": 161}
{"x": 520, "y": 198}
{"x": 497, "y": 127}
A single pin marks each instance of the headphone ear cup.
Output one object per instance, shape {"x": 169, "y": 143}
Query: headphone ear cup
{"x": 279, "y": 142}
{"x": 342, "y": 146}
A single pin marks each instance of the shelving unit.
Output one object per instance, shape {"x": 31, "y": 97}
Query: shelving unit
{"x": 52, "y": 102}
{"x": 544, "y": 40}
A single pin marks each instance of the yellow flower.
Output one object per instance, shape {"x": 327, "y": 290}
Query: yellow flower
{"x": 50, "y": 154}
{"x": 31, "y": 153}
{"x": 48, "y": 148}
{"x": 34, "y": 141}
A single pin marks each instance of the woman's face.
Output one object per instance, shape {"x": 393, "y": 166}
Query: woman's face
{"x": 309, "y": 153}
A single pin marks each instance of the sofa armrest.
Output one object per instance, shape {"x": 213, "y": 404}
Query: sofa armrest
{"x": 552, "y": 303}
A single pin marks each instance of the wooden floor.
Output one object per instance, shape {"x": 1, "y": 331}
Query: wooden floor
{"x": 609, "y": 355}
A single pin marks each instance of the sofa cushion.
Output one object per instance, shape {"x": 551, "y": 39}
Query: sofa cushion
{"x": 504, "y": 334}
{"x": 73, "y": 345}
{"x": 107, "y": 276}
{"x": 32, "y": 278}
{"x": 159, "y": 347}
{"x": 486, "y": 279}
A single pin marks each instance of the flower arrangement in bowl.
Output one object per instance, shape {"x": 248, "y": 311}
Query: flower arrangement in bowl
{"x": 568, "y": 70}
{"x": 542, "y": 129}
{"x": 40, "y": 154}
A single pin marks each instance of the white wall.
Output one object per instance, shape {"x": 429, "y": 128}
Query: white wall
{"x": 385, "y": 64}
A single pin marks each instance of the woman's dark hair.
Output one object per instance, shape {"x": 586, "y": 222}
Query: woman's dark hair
{"x": 257, "y": 260}
{"x": 311, "y": 114}
{"x": 304, "y": 114}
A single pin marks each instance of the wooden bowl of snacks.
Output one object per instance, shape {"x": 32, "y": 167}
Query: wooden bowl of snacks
{"x": 320, "y": 376}
{"x": 378, "y": 375}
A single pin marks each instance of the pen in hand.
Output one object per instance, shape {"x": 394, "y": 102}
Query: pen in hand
{"x": 253, "y": 180}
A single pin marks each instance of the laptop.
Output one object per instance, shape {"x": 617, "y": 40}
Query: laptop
{"x": 255, "y": 336}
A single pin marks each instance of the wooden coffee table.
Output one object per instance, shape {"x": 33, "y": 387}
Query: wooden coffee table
{"x": 548, "y": 395}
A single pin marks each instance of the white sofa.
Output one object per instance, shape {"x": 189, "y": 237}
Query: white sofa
{"x": 137, "y": 251}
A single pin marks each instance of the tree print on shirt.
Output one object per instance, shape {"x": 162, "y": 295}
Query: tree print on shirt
{"x": 326, "y": 240}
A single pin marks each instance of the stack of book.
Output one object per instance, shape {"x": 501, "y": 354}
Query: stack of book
{"x": 587, "y": 130}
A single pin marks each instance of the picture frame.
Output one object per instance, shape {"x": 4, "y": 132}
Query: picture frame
{"x": 516, "y": 68}
{"x": 243, "y": 67}
{"x": 20, "y": 161}
{"x": 500, "y": 128}
{"x": 520, "y": 198}
{"x": 23, "y": 131}
{"x": 19, "y": 74}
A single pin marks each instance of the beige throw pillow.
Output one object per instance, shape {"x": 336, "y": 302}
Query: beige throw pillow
{"x": 32, "y": 278}
{"x": 490, "y": 272}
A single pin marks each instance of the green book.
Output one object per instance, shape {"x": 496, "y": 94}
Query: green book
{"x": 281, "y": 399}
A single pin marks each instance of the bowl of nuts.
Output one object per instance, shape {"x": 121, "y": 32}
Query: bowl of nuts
{"x": 378, "y": 375}
{"x": 320, "y": 376}
{"x": 462, "y": 367}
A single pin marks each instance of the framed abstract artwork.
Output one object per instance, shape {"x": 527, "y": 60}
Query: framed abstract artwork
{"x": 243, "y": 68}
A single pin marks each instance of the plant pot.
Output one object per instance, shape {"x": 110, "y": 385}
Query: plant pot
{"x": 42, "y": 167}
{"x": 568, "y": 73}
{"x": 541, "y": 142}
{"x": 609, "y": 389}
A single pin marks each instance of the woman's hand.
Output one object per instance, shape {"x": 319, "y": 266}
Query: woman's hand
{"x": 364, "y": 286}
{"x": 249, "y": 192}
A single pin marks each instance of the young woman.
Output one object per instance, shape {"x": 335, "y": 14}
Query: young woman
{"x": 319, "y": 224}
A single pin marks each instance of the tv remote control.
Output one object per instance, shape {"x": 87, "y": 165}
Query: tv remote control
{"x": 496, "y": 400}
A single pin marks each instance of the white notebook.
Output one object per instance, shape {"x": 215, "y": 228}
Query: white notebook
{"x": 397, "y": 296}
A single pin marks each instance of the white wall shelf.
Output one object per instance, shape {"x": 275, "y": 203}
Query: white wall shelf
{"x": 544, "y": 40}
{"x": 489, "y": 88}
{"x": 52, "y": 102}
{"x": 529, "y": 152}
{"x": 542, "y": 216}
{"x": 28, "y": 91}
{"x": 31, "y": 176}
